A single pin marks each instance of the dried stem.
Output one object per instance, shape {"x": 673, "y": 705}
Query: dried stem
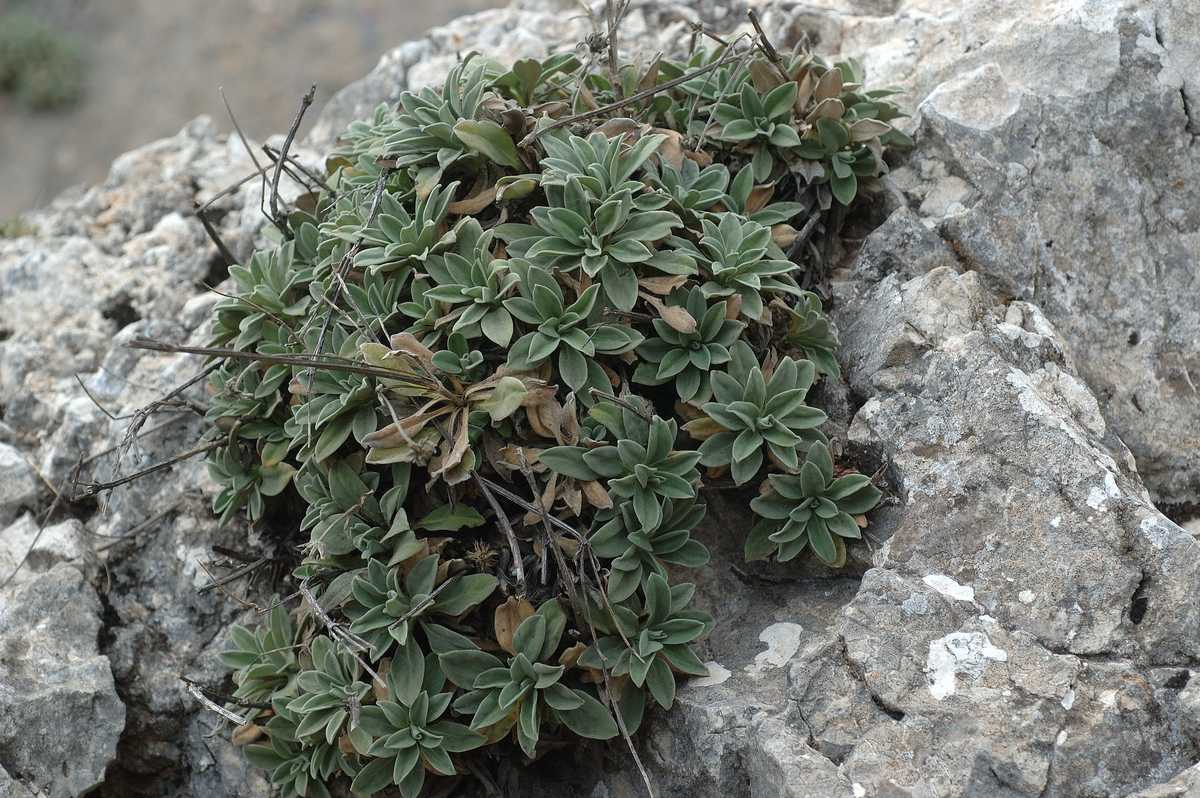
{"x": 92, "y": 488}
{"x": 630, "y": 100}
{"x": 502, "y": 519}
{"x": 305, "y": 101}
{"x": 765, "y": 45}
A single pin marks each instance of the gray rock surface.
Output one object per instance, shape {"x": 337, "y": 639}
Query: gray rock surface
{"x": 1022, "y": 622}
{"x": 60, "y": 716}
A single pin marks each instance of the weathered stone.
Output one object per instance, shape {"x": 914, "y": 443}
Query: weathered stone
{"x": 18, "y": 483}
{"x": 60, "y": 716}
{"x": 1017, "y": 338}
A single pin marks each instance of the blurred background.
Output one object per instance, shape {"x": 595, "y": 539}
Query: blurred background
{"x": 82, "y": 81}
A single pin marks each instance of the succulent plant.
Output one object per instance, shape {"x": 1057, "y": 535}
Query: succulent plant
{"x": 751, "y": 414}
{"x": 741, "y": 261}
{"x": 472, "y": 278}
{"x": 399, "y": 239}
{"x": 458, "y": 359}
{"x": 608, "y": 241}
{"x": 297, "y": 766}
{"x": 637, "y": 552}
{"x": 692, "y": 190}
{"x": 264, "y": 659}
{"x": 430, "y": 366}
{"x": 526, "y": 690}
{"x": 408, "y": 733}
{"x": 688, "y": 357}
{"x": 810, "y": 331}
{"x": 329, "y": 691}
{"x": 386, "y": 609}
{"x": 814, "y": 509}
{"x": 658, "y": 635}
{"x": 603, "y": 166}
{"x": 751, "y": 201}
{"x": 758, "y": 121}
{"x": 643, "y": 473}
{"x": 564, "y": 329}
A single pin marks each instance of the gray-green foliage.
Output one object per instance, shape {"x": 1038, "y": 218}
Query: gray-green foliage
{"x": 813, "y": 509}
{"x": 39, "y": 66}
{"x": 453, "y": 328}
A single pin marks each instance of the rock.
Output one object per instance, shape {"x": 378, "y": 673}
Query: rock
{"x": 1071, "y": 182}
{"x": 61, "y": 542}
{"x": 60, "y": 716}
{"x": 1019, "y": 346}
{"x": 18, "y": 483}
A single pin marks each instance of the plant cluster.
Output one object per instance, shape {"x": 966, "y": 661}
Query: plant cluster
{"x": 39, "y": 66}
{"x": 496, "y": 356}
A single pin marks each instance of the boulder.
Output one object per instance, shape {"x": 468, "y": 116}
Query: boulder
{"x": 1020, "y": 339}
{"x": 60, "y": 716}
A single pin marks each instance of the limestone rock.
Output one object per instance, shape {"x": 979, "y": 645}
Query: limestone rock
{"x": 60, "y": 716}
{"x": 18, "y": 483}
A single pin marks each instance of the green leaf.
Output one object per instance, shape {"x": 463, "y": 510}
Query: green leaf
{"x": 463, "y": 667}
{"x": 590, "y": 719}
{"x": 505, "y": 398}
{"x": 567, "y": 460}
{"x": 450, "y": 518}
{"x": 375, "y": 777}
{"x": 844, "y": 188}
{"x": 466, "y": 592}
{"x": 490, "y": 139}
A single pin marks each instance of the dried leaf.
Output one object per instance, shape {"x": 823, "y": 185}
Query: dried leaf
{"x": 475, "y": 204}
{"x": 596, "y": 495}
{"x": 379, "y": 686}
{"x": 663, "y": 285}
{"x": 670, "y": 151}
{"x": 569, "y": 657}
{"x": 831, "y": 108}
{"x": 650, "y": 77}
{"x": 808, "y": 84}
{"x": 507, "y": 618}
{"x": 829, "y": 86}
{"x": 867, "y": 129}
{"x": 631, "y": 128}
{"x": 701, "y": 158}
{"x": 759, "y": 197}
{"x": 861, "y": 520}
{"x": 733, "y": 307}
{"x": 674, "y": 315}
{"x": 784, "y": 235}
{"x": 765, "y": 76}
{"x": 246, "y": 734}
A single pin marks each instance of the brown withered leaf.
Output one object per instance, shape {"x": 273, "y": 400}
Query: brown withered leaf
{"x": 569, "y": 657}
{"x": 507, "y": 618}
{"x": 807, "y": 84}
{"x": 623, "y": 125}
{"x": 784, "y": 235}
{"x": 246, "y": 734}
{"x": 831, "y": 108}
{"x": 702, "y": 158}
{"x": 474, "y": 204}
{"x": 861, "y": 520}
{"x": 650, "y": 76}
{"x": 733, "y": 307}
{"x": 596, "y": 495}
{"x": 829, "y": 86}
{"x": 759, "y": 197}
{"x": 379, "y": 686}
{"x": 765, "y": 76}
{"x": 674, "y": 315}
{"x": 662, "y": 285}
{"x": 670, "y": 151}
